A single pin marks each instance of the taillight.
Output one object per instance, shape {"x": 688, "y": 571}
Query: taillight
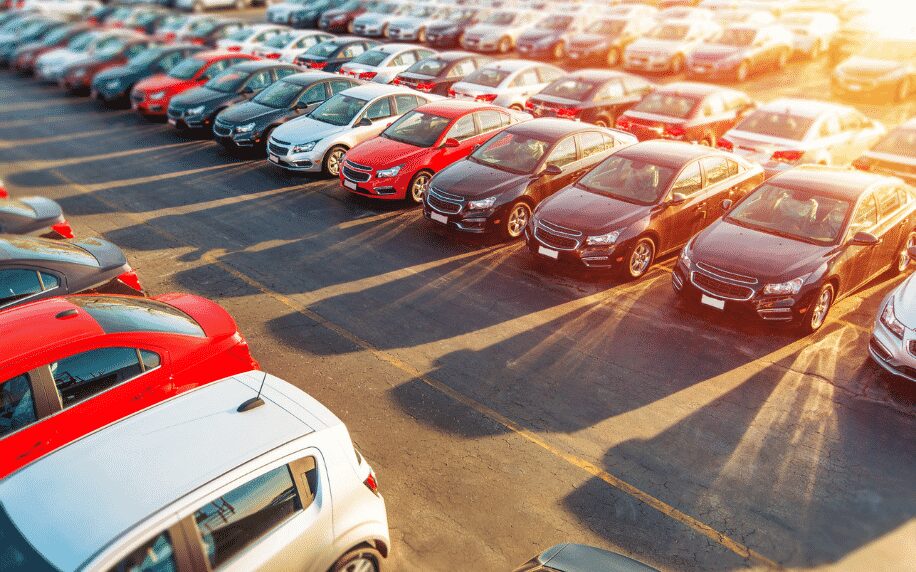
{"x": 371, "y": 483}
{"x": 623, "y": 123}
{"x": 675, "y": 131}
{"x": 787, "y": 156}
{"x": 317, "y": 65}
{"x": 197, "y": 41}
{"x": 3, "y": 193}
{"x": 234, "y": 49}
{"x": 567, "y": 112}
{"x": 452, "y": 92}
{"x": 131, "y": 280}
{"x": 397, "y": 81}
{"x": 861, "y": 164}
{"x": 170, "y": 36}
{"x": 63, "y": 228}
{"x": 140, "y": 29}
{"x": 725, "y": 144}
{"x": 425, "y": 86}
{"x": 367, "y": 75}
{"x": 486, "y": 97}
{"x": 273, "y": 56}
{"x": 529, "y": 104}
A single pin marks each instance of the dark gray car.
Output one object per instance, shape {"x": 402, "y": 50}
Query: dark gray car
{"x": 32, "y": 215}
{"x": 32, "y": 268}
{"x": 582, "y": 558}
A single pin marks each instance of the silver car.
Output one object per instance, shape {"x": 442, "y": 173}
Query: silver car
{"x": 383, "y": 63}
{"x": 498, "y": 31}
{"x": 666, "y": 47}
{"x": 893, "y": 341}
{"x": 374, "y": 24}
{"x": 412, "y": 25}
{"x": 508, "y": 83}
{"x": 317, "y": 142}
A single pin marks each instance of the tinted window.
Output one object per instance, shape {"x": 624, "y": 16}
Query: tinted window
{"x": 628, "y": 180}
{"x": 169, "y": 61}
{"x": 462, "y": 69}
{"x": 17, "y": 408}
{"x": 866, "y": 215}
{"x": 187, "y": 69}
{"x": 775, "y": 124}
{"x": 900, "y": 141}
{"x": 463, "y": 128}
{"x": 417, "y": 129}
{"x": 283, "y": 72}
{"x": 667, "y": 104}
{"x": 689, "y": 181}
{"x": 339, "y": 110}
{"x": 86, "y": 374}
{"x": 16, "y": 284}
{"x": 371, "y": 58}
{"x": 569, "y": 88}
{"x": 888, "y": 201}
{"x": 405, "y": 59}
{"x": 117, "y": 315}
{"x": 794, "y": 213}
{"x": 381, "y": 108}
{"x": 611, "y": 90}
{"x": 429, "y": 66}
{"x": 511, "y": 152}
{"x": 240, "y": 517}
{"x": 260, "y": 81}
{"x": 490, "y": 120}
{"x": 353, "y": 51}
{"x": 593, "y": 142}
{"x": 339, "y": 85}
{"x": 564, "y": 153}
{"x": 227, "y": 82}
{"x": 279, "y": 95}
{"x": 314, "y": 94}
{"x": 156, "y": 555}
{"x": 634, "y": 85}
{"x": 53, "y": 250}
{"x": 488, "y": 77}
{"x": 716, "y": 169}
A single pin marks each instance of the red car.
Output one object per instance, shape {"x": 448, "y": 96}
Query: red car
{"x": 399, "y": 163}
{"x": 73, "y": 365}
{"x": 687, "y": 111}
{"x": 152, "y": 95}
{"x": 78, "y": 77}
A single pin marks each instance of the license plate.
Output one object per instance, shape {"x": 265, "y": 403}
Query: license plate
{"x": 700, "y": 69}
{"x": 714, "y": 302}
{"x": 172, "y": 122}
{"x": 548, "y": 252}
{"x": 273, "y": 158}
{"x": 439, "y": 218}
{"x": 349, "y": 184}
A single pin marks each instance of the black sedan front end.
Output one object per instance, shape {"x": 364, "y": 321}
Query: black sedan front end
{"x": 540, "y": 44}
{"x": 475, "y": 216}
{"x": 571, "y": 247}
{"x": 445, "y": 35}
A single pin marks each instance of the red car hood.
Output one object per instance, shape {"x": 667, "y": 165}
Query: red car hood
{"x": 382, "y": 153}
{"x": 215, "y": 321}
{"x": 163, "y": 82}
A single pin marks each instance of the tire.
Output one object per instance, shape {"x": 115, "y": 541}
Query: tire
{"x": 385, "y": 31}
{"x": 504, "y": 45}
{"x": 783, "y": 60}
{"x": 603, "y": 122}
{"x": 517, "y": 218}
{"x": 332, "y": 159}
{"x": 742, "y": 71}
{"x": 360, "y": 559}
{"x": 516, "y": 107}
{"x": 417, "y": 187}
{"x": 640, "y": 260}
{"x": 613, "y": 57}
{"x": 350, "y": 27}
{"x": 677, "y": 65}
{"x": 818, "y": 310}
{"x": 903, "y": 258}
{"x": 903, "y": 90}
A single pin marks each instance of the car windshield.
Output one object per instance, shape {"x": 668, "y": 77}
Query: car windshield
{"x": 117, "y": 315}
{"x": 107, "y": 48}
{"x": 81, "y": 41}
{"x": 629, "y": 180}
{"x": 279, "y": 95}
{"x": 241, "y": 34}
{"x": 669, "y": 104}
{"x": 488, "y": 77}
{"x": 55, "y": 36}
{"x": 897, "y": 50}
{"x": 512, "y": 152}
{"x": 430, "y": 66}
{"x": 792, "y": 213}
{"x": 280, "y": 40}
{"x": 608, "y": 27}
{"x": 324, "y": 49}
{"x": 569, "y": 88}
{"x": 775, "y": 124}
{"x": 339, "y": 110}
{"x": 420, "y": 11}
{"x": 145, "y": 57}
{"x": 738, "y": 37}
{"x": 387, "y": 8}
{"x": 900, "y": 141}
{"x": 371, "y": 57}
{"x": 417, "y": 128}
{"x": 554, "y": 22}
{"x": 16, "y": 552}
{"x": 670, "y": 32}
{"x": 500, "y": 18}
{"x": 228, "y": 81}
{"x": 29, "y": 248}
{"x": 187, "y": 68}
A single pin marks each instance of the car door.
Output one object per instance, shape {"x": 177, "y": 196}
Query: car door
{"x": 524, "y": 84}
{"x": 466, "y": 132}
{"x": 678, "y": 222}
{"x": 893, "y": 227}
{"x": 855, "y": 262}
{"x": 311, "y": 98}
{"x": 565, "y": 155}
{"x": 381, "y": 112}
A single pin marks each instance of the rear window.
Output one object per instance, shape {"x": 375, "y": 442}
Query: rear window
{"x": 488, "y": 77}
{"x": 569, "y": 88}
{"x": 672, "y": 105}
{"x": 120, "y": 315}
{"x": 775, "y": 124}
{"x": 371, "y": 58}
{"x": 40, "y": 249}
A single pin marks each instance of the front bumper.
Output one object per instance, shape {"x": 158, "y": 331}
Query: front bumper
{"x": 864, "y": 89}
{"x": 102, "y": 93}
{"x": 361, "y": 181}
{"x": 368, "y": 30}
{"x": 400, "y": 34}
{"x": 227, "y": 137}
{"x": 442, "y": 40}
{"x": 566, "y": 248}
{"x": 279, "y": 156}
{"x": 477, "y": 221}
{"x": 586, "y": 53}
{"x": 179, "y": 120}
{"x": 652, "y": 64}
{"x": 480, "y": 44}
{"x": 891, "y": 353}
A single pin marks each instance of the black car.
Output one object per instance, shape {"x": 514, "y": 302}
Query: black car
{"x": 605, "y": 39}
{"x": 885, "y": 69}
{"x": 499, "y": 184}
{"x": 33, "y": 215}
{"x": 638, "y": 204}
{"x": 31, "y": 30}
{"x": 308, "y": 14}
{"x": 33, "y": 268}
{"x": 207, "y": 32}
{"x": 437, "y": 73}
{"x": 582, "y": 558}
{"x": 448, "y": 33}
{"x": 248, "y": 124}
{"x": 544, "y": 40}
{"x": 593, "y": 95}
{"x": 197, "y": 107}
{"x": 330, "y": 55}
{"x": 113, "y": 86}
{"x": 894, "y": 154}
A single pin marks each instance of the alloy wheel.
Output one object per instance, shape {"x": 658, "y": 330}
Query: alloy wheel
{"x": 820, "y": 308}
{"x": 613, "y": 57}
{"x": 332, "y": 164}
{"x": 903, "y": 261}
{"x": 517, "y": 220}
{"x": 365, "y": 564}
{"x": 641, "y": 257}
{"x": 418, "y": 187}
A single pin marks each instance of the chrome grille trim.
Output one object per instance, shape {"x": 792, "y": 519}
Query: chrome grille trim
{"x": 717, "y": 272}
{"x": 358, "y": 166}
{"x": 355, "y": 176}
{"x": 440, "y": 202}
{"x": 750, "y": 292}
{"x": 276, "y": 149}
{"x": 447, "y": 196}
{"x": 559, "y": 229}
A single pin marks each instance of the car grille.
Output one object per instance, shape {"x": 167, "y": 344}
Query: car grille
{"x": 716, "y": 271}
{"x": 358, "y": 166}
{"x": 556, "y": 236}
{"x": 278, "y": 147}
{"x": 222, "y": 129}
{"x": 353, "y": 175}
{"x": 719, "y": 288}
{"x": 444, "y": 202}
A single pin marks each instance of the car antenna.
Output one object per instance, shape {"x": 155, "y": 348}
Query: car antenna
{"x": 255, "y": 401}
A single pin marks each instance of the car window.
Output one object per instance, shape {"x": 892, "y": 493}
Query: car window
{"x": 16, "y": 284}
{"x": 866, "y": 215}
{"x": 283, "y": 72}
{"x": 852, "y": 121}
{"x": 829, "y": 127}
{"x": 405, "y": 59}
{"x": 689, "y": 181}
{"x": 713, "y": 106}
{"x": 260, "y": 81}
{"x": 888, "y": 201}
{"x": 406, "y": 102}
{"x": 353, "y": 51}
{"x": 155, "y": 555}
{"x": 119, "y": 315}
{"x": 462, "y": 69}
{"x": 306, "y": 42}
{"x": 593, "y": 142}
{"x": 733, "y": 167}
{"x": 83, "y": 375}
{"x": 380, "y": 109}
{"x": 634, "y": 85}
{"x": 17, "y": 407}
{"x": 547, "y": 75}
{"x": 168, "y": 62}
{"x": 716, "y": 169}
{"x": 314, "y": 94}
{"x": 611, "y": 90}
{"x": 134, "y": 50}
{"x": 463, "y": 128}
{"x": 563, "y": 153}
{"x": 338, "y": 85}
{"x": 490, "y": 120}
{"x": 527, "y": 77}
{"x": 240, "y": 517}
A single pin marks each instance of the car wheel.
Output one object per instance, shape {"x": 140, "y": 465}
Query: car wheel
{"x": 505, "y": 44}
{"x": 677, "y": 64}
{"x": 741, "y": 72}
{"x": 516, "y": 107}
{"x": 385, "y": 31}
{"x": 903, "y": 89}
{"x": 709, "y": 140}
{"x": 333, "y": 159}
{"x": 516, "y": 220}
{"x": 820, "y": 307}
{"x": 558, "y": 51}
{"x": 362, "y": 559}
{"x": 613, "y": 57}
{"x": 603, "y": 122}
{"x": 640, "y": 260}
{"x": 417, "y": 188}
{"x": 783, "y": 60}
{"x": 903, "y": 259}
{"x": 421, "y": 35}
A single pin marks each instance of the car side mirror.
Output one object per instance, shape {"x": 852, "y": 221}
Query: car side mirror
{"x": 677, "y": 199}
{"x": 552, "y": 171}
{"x": 364, "y": 122}
{"x": 451, "y": 142}
{"x": 727, "y": 204}
{"x": 911, "y": 252}
{"x": 863, "y": 238}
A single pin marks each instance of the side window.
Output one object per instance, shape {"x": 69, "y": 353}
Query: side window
{"x": 408, "y": 58}
{"x": 151, "y": 360}
{"x": 156, "y": 555}
{"x": 462, "y": 69}
{"x": 716, "y": 169}
{"x": 260, "y": 81}
{"x": 634, "y": 85}
{"x": 593, "y": 142}
{"x": 353, "y": 51}
{"x": 314, "y": 94}
{"x": 611, "y": 90}
{"x": 283, "y": 72}
{"x": 380, "y": 109}
{"x": 463, "y": 128}
{"x": 169, "y": 61}
{"x": 214, "y": 69}
{"x": 490, "y": 120}
{"x": 733, "y": 168}
{"x": 829, "y": 127}
{"x": 866, "y": 215}
{"x": 16, "y": 284}
{"x": 564, "y": 153}
{"x": 338, "y": 85}
{"x": 527, "y": 77}
{"x": 306, "y": 42}
{"x": 238, "y": 518}
{"x": 86, "y": 374}
{"x": 689, "y": 181}
{"x": 547, "y": 75}
{"x": 406, "y": 102}
{"x": 851, "y": 121}
{"x": 888, "y": 201}
{"x": 17, "y": 407}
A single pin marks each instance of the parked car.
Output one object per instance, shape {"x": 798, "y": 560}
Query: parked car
{"x": 253, "y": 488}
{"x": 640, "y": 203}
{"x": 399, "y": 163}
{"x": 605, "y": 39}
{"x": 411, "y": 26}
{"x": 438, "y": 73}
{"x": 685, "y": 13}
{"x": 33, "y": 215}
{"x": 894, "y": 154}
{"x": 286, "y": 46}
{"x": 50, "y": 66}
{"x": 594, "y": 95}
{"x": 498, "y": 186}
{"x": 506, "y": 82}
{"x": 250, "y": 37}
{"x": 34, "y": 30}
{"x": 23, "y": 59}
{"x": 893, "y": 339}
{"x": 151, "y": 96}
{"x": 384, "y": 62}
{"x": 330, "y": 55}
{"x": 581, "y": 558}
{"x": 885, "y": 68}
{"x": 307, "y": 14}
{"x": 749, "y": 16}
{"x": 666, "y": 47}
{"x": 208, "y": 31}
{"x": 33, "y": 268}
{"x": 340, "y": 19}
{"x": 739, "y": 51}
{"x": 282, "y": 12}
{"x": 448, "y": 32}
{"x": 318, "y": 142}
{"x": 801, "y": 241}
{"x": 197, "y": 108}
{"x": 545, "y": 38}
{"x": 146, "y": 19}
{"x": 249, "y": 124}
{"x": 373, "y": 23}
{"x": 173, "y": 25}
{"x": 687, "y": 111}
{"x": 812, "y": 32}
{"x": 77, "y": 76}
{"x": 498, "y": 31}
{"x": 199, "y": 6}
{"x": 113, "y": 85}
{"x": 789, "y": 132}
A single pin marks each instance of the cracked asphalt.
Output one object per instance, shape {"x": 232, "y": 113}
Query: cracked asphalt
{"x": 504, "y": 407}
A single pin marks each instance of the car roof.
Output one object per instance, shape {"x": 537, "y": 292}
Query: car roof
{"x": 395, "y": 48}
{"x": 694, "y": 89}
{"x": 308, "y": 77}
{"x": 453, "y": 55}
{"x": 37, "y": 327}
{"x": 255, "y": 65}
{"x": 222, "y": 54}
{"x": 803, "y": 107}
{"x": 667, "y": 153}
{"x": 372, "y": 90}
{"x": 453, "y": 108}
{"x": 511, "y": 65}
{"x": 551, "y": 128}
{"x": 166, "y": 451}
{"x": 839, "y": 182}
{"x": 33, "y": 248}
{"x": 598, "y": 74}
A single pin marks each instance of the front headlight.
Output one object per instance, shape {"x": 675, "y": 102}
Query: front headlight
{"x": 157, "y": 95}
{"x": 113, "y": 84}
{"x": 195, "y": 110}
{"x": 685, "y": 254}
{"x": 304, "y": 148}
{"x": 889, "y": 319}
{"x": 789, "y": 288}
{"x": 246, "y": 128}
{"x": 482, "y": 204}
{"x": 386, "y": 173}
{"x": 603, "y": 239}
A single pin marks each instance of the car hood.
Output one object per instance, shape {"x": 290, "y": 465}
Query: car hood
{"x": 716, "y": 52}
{"x": 767, "y": 257}
{"x": 108, "y": 255}
{"x": 592, "y": 213}
{"x": 382, "y": 153}
{"x": 486, "y": 30}
{"x": 473, "y": 180}
{"x": 80, "y": 59}
{"x": 905, "y": 302}
{"x": 250, "y": 111}
{"x": 44, "y": 208}
{"x": 160, "y": 82}
{"x": 306, "y": 129}
{"x": 656, "y": 46}
{"x": 857, "y": 66}
{"x": 198, "y": 96}
{"x": 116, "y": 72}
{"x": 407, "y": 22}
{"x": 441, "y": 25}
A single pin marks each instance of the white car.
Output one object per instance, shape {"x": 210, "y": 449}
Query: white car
{"x": 374, "y": 23}
{"x": 744, "y": 16}
{"x": 498, "y": 31}
{"x": 198, "y": 481}
{"x": 62, "y": 7}
{"x": 666, "y": 47}
{"x": 893, "y": 341}
{"x": 289, "y": 44}
{"x": 812, "y": 32}
{"x": 201, "y": 5}
{"x": 508, "y": 83}
{"x": 282, "y": 12}
{"x": 383, "y": 63}
{"x": 686, "y": 13}
{"x": 51, "y": 65}
{"x": 318, "y": 142}
{"x": 630, "y": 11}
{"x": 788, "y": 132}
{"x": 412, "y": 25}
{"x": 246, "y": 39}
